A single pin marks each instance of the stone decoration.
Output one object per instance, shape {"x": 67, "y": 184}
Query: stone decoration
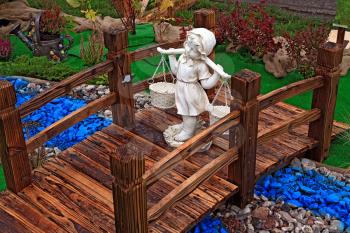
{"x": 279, "y": 64}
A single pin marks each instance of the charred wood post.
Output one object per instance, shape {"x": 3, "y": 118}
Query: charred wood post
{"x": 324, "y": 98}
{"x": 13, "y": 151}
{"x": 120, "y": 81}
{"x": 129, "y": 191}
{"x": 246, "y": 88}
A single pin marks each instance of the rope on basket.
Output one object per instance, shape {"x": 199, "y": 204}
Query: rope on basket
{"x": 164, "y": 64}
{"x": 227, "y": 90}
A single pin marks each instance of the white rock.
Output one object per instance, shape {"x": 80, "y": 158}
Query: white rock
{"x": 287, "y": 217}
{"x": 101, "y": 93}
{"x": 250, "y": 228}
{"x": 89, "y": 87}
{"x": 308, "y": 164}
{"x": 307, "y": 229}
{"x": 31, "y": 85}
{"x": 57, "y": 150}
{"x": 296, "y": 163}
{"x": 108, "y": 113}
{"x": 289, "y": 228}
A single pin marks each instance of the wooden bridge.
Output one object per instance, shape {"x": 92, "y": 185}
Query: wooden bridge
{"x": 126, "y": 179}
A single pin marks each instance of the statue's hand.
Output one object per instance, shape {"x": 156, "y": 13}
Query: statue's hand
{"x": 162, "y": 51}
{"x": 222, "y": 73}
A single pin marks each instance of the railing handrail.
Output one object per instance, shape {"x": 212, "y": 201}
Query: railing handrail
{"x": 193, "y": 182}
{"x": 69, "y": 120}
{"x": 190, "y": 147}
{"x": 64, "y": 87}
{"x": 289, "y": 91}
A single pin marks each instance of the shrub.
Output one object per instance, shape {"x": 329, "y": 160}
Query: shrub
{"x": 36, "y": 67}
{"x": 52, "y": 22}
{"x": 5, "y": 47}
{"x": 303, "y": 47}
{"x": 249, "y": 26}
{"x": 92, "y": 52}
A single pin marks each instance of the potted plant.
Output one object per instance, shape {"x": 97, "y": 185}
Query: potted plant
{"x": 5, "y": 47}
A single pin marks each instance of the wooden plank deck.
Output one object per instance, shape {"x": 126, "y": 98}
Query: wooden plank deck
{"x": 72, "y": 193}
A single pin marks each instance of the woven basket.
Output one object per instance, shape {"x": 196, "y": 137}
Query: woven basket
{"x": 218, "y": 112}
{"x": 162, "y": 95}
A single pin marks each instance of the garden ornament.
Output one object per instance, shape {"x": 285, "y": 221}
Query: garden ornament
{"x": 192, "y": 71}
{"x": 55, "y": 48}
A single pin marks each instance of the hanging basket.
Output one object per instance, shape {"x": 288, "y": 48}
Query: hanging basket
{"x": 217, "y": 112}
{"x": 162, "y": 93}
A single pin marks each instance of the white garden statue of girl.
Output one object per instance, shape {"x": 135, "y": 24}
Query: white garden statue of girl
{"x": 192, "y": 71}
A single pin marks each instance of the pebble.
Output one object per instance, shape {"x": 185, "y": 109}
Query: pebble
{"x": 286, "y": 216}
{"x": 307, "y": 164}
{"x": 261, "y": 213}
{"x": 307, "y": 229}
{"x": 336, "y": 226}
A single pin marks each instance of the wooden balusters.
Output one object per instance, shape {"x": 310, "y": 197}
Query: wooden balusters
{"x": 129, "y": 190}
{"x": 120, "y": 78}
{"x": 245, "y": 87}
{"x": 13, "y": 150}
{"x": 324, "y": 98}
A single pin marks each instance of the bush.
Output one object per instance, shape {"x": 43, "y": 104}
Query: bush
{"x": 52, "y": 22}
{"x": 36, "y": 67}
{"x": 92, "y": 52}
{"x": 248, "y": 26}
{"x": 303, "y": 47}
{"x": 5, "y": 47}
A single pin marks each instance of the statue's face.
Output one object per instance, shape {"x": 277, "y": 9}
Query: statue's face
{"x": 192, "y": 47}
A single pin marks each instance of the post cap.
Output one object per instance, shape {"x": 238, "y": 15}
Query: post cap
{"x": 7, "y": 95}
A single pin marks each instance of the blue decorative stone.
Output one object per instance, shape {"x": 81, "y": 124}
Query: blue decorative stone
{"x": 333, "y": 198}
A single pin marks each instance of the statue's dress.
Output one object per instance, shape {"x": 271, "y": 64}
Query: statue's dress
{"x": 190, "y": 97}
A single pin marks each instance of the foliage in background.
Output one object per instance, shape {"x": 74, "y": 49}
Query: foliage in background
{"x": 128, "y": 11}
{"x": 36, "y": 67}
{"x": 92, "y": 52}
{"x": 52, "y": 22}
{"x": 343, "y": 12}
{"x": 303, "y": 47}
{"x": 101, "y": 6}
{"x": 5, "y": 47}
{"x": 248, "y": 26}
{"x": 86, "y": 8}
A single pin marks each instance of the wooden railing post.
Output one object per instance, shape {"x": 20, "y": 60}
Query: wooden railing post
{"x": 245, "y": 86}
{"x": 129, "y": 191}
{"x": 13, "y": 150}
{"x": 205, "y": 18}
{"x": 120, "y": 78}
{"x": 329, "y": 58}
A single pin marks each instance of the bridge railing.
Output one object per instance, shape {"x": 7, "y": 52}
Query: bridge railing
{"x": 127, "y": 165}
